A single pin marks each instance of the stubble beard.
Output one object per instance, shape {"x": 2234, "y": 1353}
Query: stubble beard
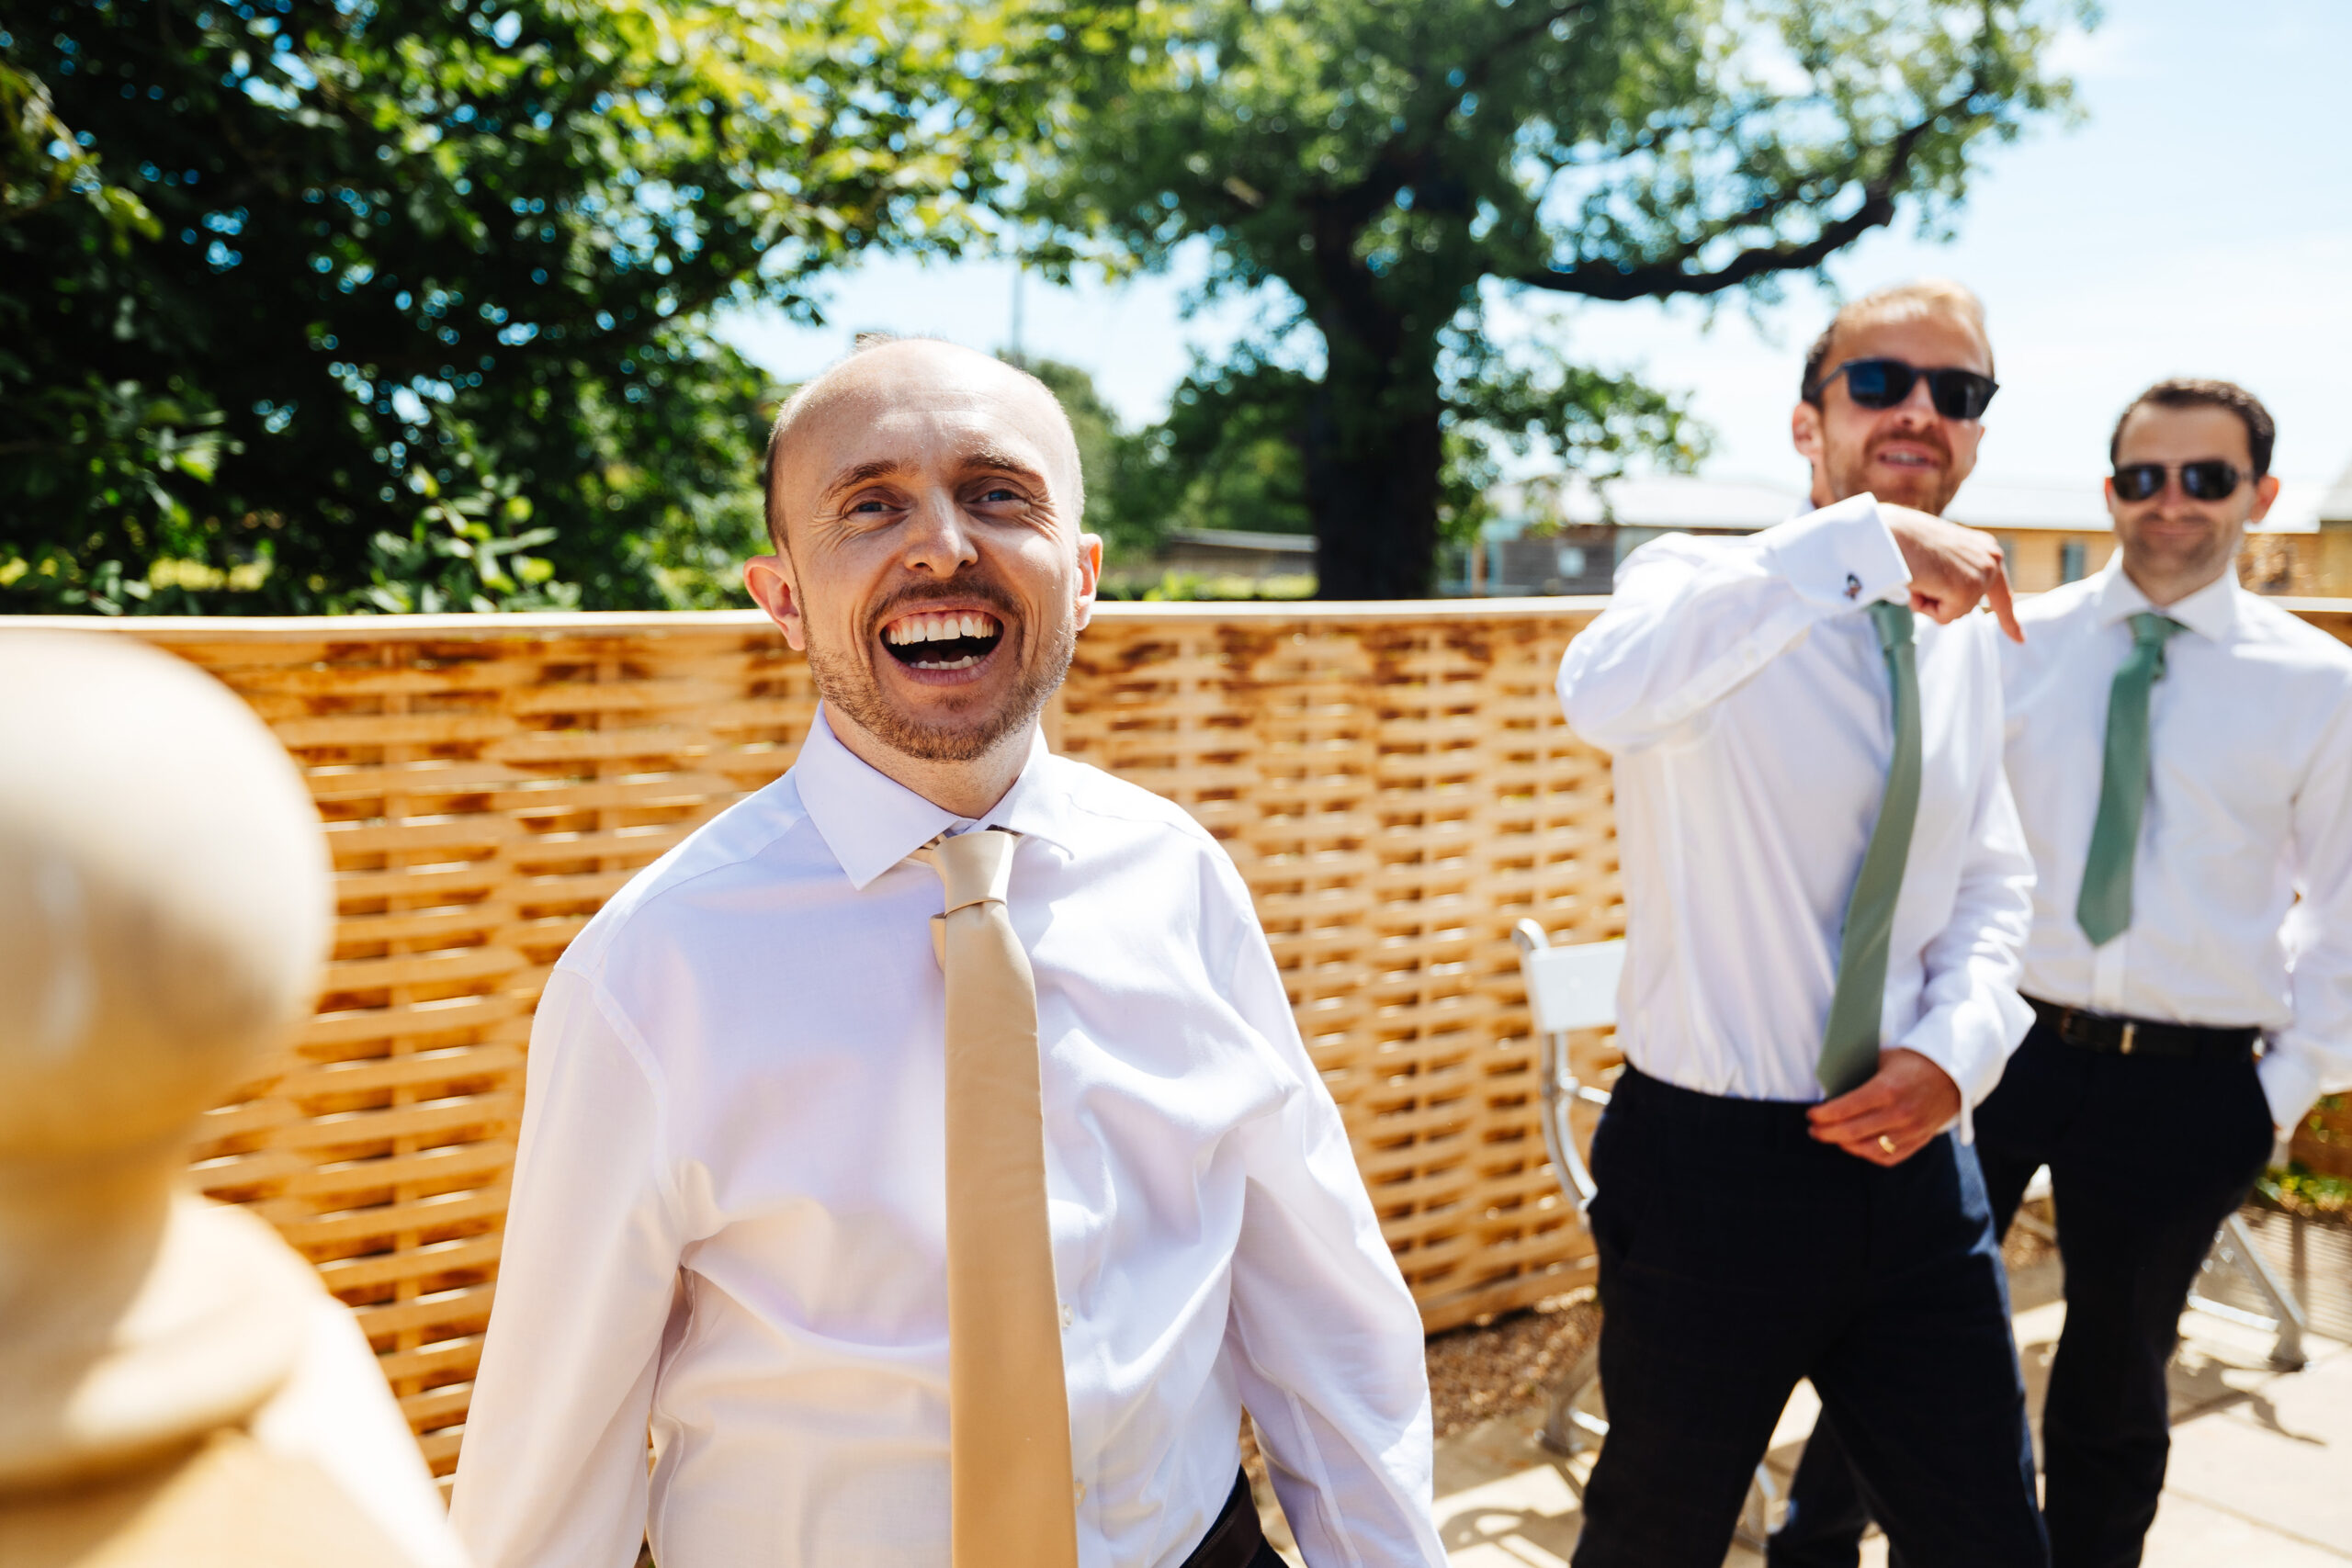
{"x": 847, "y": 683}
{"x": 1931, "y": 492}
{"x": 2201, "y": 561}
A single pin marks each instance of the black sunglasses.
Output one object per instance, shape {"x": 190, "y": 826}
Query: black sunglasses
{"x": 2212, "y": 480}
{"x": 1882, "y": 383}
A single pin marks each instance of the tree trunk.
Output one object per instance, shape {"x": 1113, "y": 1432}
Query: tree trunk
{"x": 1371, "y": 451}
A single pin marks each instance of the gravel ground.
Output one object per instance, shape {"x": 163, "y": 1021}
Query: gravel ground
{"x": 1491, "y": 1368}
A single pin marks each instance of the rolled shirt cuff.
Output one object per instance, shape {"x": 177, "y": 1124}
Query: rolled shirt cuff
{"x": 1971, "y": 1041}
{"x": 1843, "y": 555}
{"x": 1938, "y": 1051}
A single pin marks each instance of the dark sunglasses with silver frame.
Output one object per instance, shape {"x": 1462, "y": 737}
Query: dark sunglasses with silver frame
{"x": 2210, "y": 478}
{"x": 1882, "y": 383}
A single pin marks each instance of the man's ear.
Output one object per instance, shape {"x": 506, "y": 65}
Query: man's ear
{"x": 1804, "y": 431}
{"x": 2266, "y": 493}
{"x": 769, "y": 577}
{"x": 1089, "y": 574}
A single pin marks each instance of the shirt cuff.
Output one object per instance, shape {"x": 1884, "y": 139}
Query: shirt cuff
{"x": 1842, "y": 555}
{"x": 1937, "y": 1048}
{"x": 2291, "y": 1087}
{"x": 1971, "y": 1042}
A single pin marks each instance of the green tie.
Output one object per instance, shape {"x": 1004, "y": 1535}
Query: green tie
{"x": 2105, "y": 907}
{"x": 1849, "y": 1044}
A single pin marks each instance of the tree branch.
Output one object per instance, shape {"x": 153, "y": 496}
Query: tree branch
{"x": 1667, "y": 276}
{"x": 1407, "y": 157}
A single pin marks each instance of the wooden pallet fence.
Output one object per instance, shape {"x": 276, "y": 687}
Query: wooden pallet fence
{"x": 1397, "y": 789}
{"x": 1394, "y": 782}
{"x": 485, "y": 785}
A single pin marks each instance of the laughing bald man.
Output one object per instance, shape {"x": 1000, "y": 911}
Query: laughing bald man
{"x": 923, "y": 1153}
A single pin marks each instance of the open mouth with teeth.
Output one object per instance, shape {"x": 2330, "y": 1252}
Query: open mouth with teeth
{"x": 942, "y": 641}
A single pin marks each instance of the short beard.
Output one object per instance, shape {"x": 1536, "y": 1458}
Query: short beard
{"x": 2202, "y": 562}
{"x": 848, "y": 685}
{"x": 1934, "y": 494}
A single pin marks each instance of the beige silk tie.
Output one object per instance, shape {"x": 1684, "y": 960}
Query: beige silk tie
{"x": 1011, "y": 1492}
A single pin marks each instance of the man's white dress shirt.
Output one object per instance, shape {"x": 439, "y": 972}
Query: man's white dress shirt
{"x": 728, "y": 1219}
{"x": 1742, "y": 689}
{"x": 2249, "y": 804}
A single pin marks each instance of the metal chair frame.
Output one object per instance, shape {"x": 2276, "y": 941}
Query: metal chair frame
{"x": 1570, "y": 988}
{"x": 2234, "y": 1252}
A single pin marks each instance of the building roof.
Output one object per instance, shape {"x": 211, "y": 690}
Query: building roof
{"x": 1243, "y": 539}
{"x": 2335, "y": 506}
{"x": 1684, "y": 500}
{"x": 1658, "y": 500}
{"x": 2081, "y": 508}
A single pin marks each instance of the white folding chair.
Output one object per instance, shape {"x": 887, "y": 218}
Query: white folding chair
{"x": 1571, "y": 989}
{"x": 1567, "y": 989}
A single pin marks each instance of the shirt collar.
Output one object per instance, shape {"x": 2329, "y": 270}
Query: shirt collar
{"x": 871, "y": 821}
{"x": 2211, "y": 612}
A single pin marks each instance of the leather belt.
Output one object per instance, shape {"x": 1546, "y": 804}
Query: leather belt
{"x": 1235, "y": 1539}
{"x": 2143, "y": 1037}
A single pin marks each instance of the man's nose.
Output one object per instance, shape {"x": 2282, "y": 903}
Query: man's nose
{"x": 939, "y": 537}
{"x": 1920, "y": 403}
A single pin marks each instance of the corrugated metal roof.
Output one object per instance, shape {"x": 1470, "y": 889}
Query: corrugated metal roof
{"x": 1679, "y": 500}
{"x": 2335, "y": 506}
{"x": 1243, "y": 539}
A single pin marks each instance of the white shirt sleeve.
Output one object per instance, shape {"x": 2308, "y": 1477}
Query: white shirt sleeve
{"x": 2314, "y": 1055}
{"x": 552, "y": 1474}
{"x": 1970, "y": 1015}
{"x": 1325, "y": 1337}
{"x": 1692, "y": 619}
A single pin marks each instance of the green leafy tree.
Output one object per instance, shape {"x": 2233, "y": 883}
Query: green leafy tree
{"x": 1227, "y": 455}
{"x": 381, "y": 304}
{"x": 1395, "y": 168}
{"x": 1221, "y": 459}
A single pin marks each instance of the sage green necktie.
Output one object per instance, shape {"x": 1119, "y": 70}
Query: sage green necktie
{"x": 2104, "y": 909}
{"x": 1849, "y": 1044}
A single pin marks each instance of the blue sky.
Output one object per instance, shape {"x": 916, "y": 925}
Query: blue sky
{"x": 2197, "y": 222}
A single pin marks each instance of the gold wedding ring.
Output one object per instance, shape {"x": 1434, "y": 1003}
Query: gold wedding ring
{"x": 1886, "y": 1143}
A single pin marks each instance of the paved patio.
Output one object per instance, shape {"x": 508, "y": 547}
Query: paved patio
{"x": 2261, "y": 1473}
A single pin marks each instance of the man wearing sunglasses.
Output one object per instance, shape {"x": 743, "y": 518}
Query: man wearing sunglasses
{"x": 1827, "y": 890}
{"x": 2181, "y": 752}
{"x": 1893, "y": 397}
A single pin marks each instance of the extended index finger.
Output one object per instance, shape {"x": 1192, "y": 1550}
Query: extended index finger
{"x": 2004, "y": 609}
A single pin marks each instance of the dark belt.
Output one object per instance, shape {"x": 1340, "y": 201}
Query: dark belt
{"x": 1235, "y": 1541}
{"x": 2143, "y": 1037}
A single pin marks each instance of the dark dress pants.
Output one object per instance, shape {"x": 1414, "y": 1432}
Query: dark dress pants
{"x": 1738, "y": 1256}
{"x": 2148, "y": 1156}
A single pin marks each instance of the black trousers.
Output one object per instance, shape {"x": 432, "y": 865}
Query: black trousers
{"x": 1738, "y": 1256}
{"x": 1234, "y": 1539}
{"x": 2148, "y": 1156}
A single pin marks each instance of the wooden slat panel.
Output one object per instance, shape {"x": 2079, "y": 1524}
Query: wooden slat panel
{"x": 1394, "y": 782}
